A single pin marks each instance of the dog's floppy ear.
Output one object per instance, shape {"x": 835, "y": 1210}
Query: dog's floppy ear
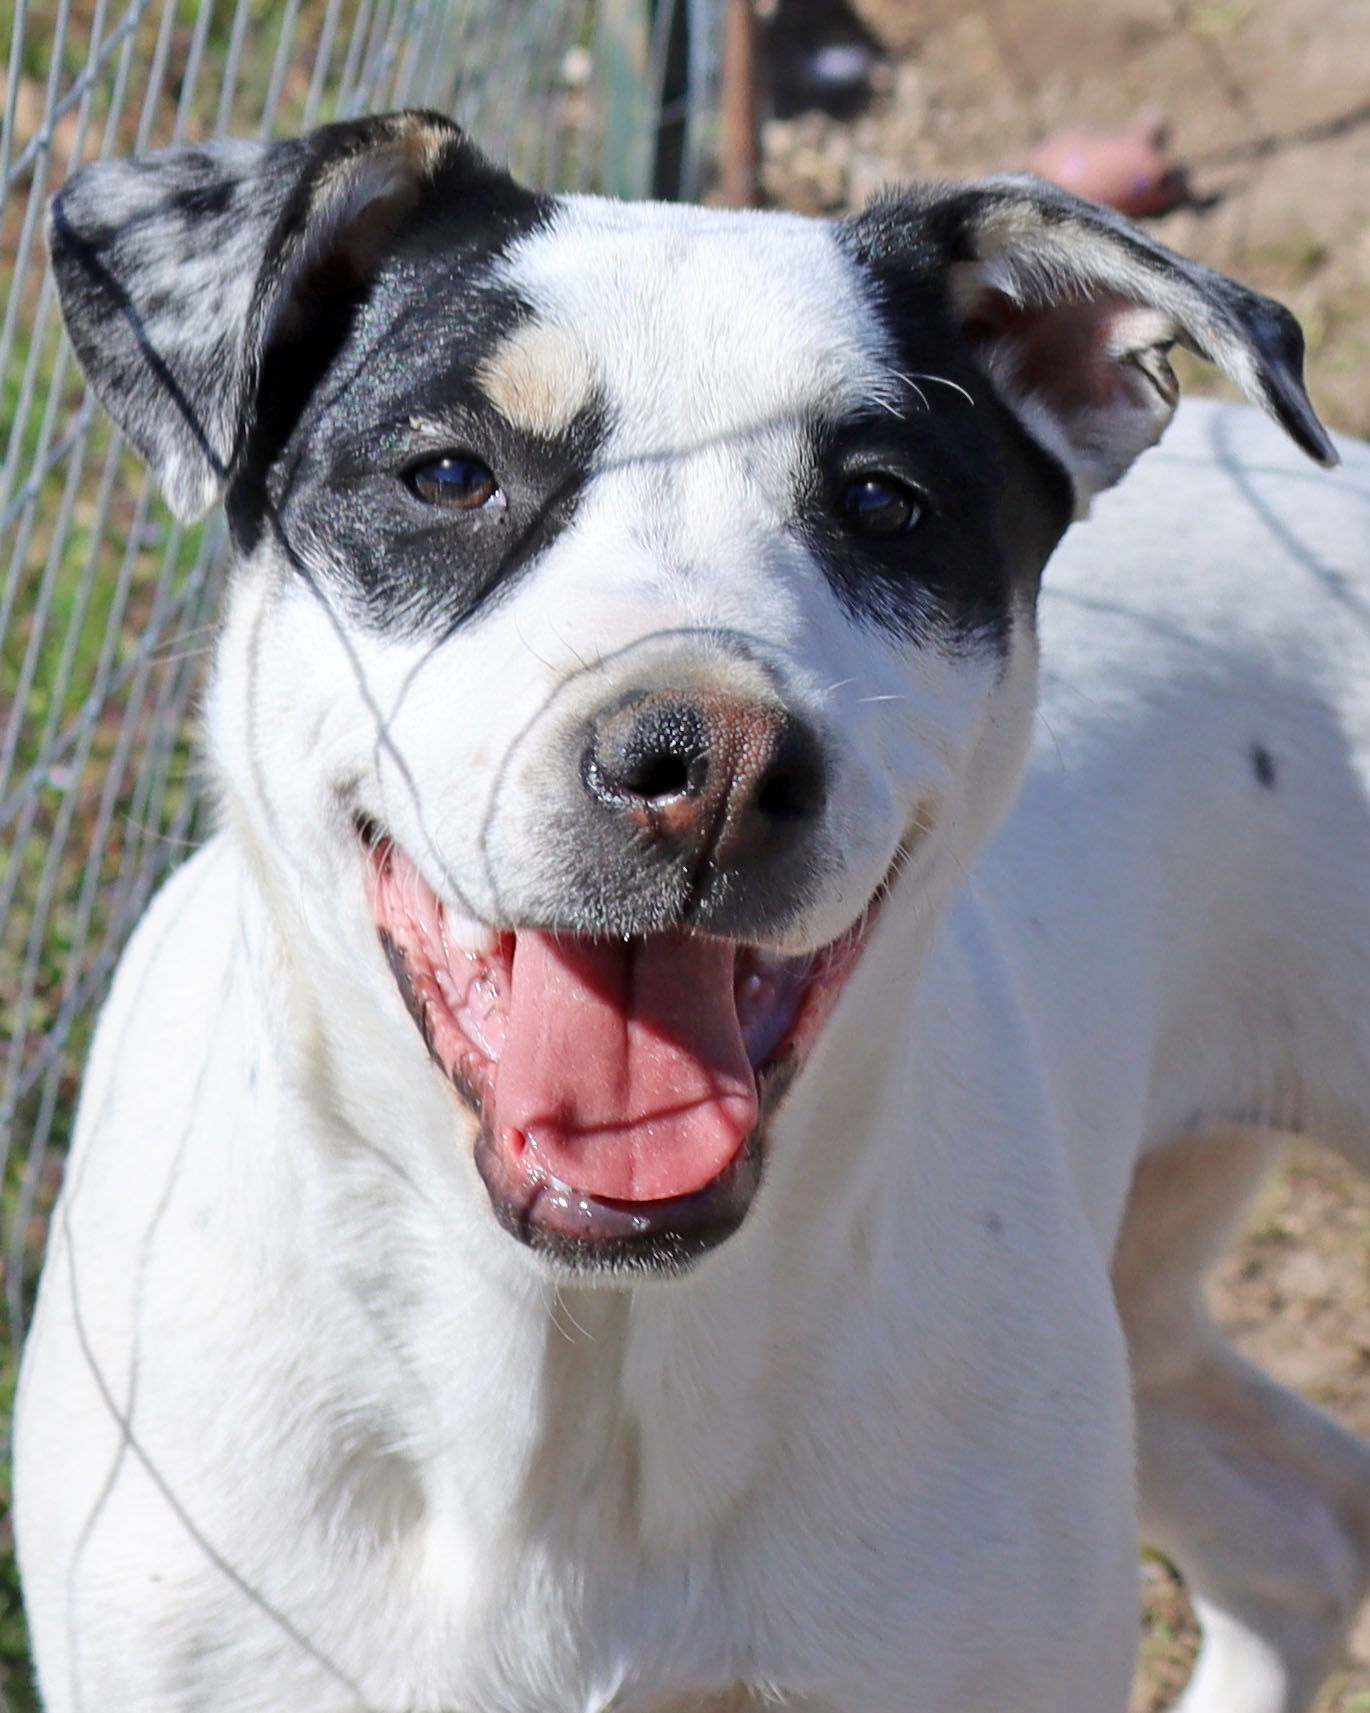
{"x": 1071, "y": 309}
{"x": 177, "y": 271}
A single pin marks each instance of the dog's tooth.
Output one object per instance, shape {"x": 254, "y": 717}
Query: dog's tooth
{"x": 463, "y": 934}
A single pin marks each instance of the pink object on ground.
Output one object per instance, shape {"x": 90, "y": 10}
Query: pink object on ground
{"x": 1127, "y": 169}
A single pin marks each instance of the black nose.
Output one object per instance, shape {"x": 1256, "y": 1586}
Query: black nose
{"x": 707, "y": 777}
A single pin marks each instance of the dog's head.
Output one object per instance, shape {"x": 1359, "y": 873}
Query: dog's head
{"x": 627, "y": 598}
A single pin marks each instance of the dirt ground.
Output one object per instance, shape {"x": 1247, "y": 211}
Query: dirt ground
{"x": 1269, "y": 103}
{"x": 1296, "y": 1296}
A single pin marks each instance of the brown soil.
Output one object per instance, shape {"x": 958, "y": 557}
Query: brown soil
{"x": 1269, "y": 102}
{"x": 1295, "y": 1294}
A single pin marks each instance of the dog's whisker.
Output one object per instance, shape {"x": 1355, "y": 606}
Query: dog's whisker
{"x": 155, "y": 831}
{"x": 918, "y": 392}
{"x": 541, "y": 660}
{"x": 574, "y": 652}
{"x": 943, "y": 381}
{"x": 563, "y": 1308}
{"x": 186, "y": 645}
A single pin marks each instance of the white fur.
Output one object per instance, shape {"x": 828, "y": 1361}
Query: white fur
{"x": 302, "y": 1428}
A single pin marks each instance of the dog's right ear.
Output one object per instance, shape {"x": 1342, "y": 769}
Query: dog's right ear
{"x": 179, "y": 271}
{"x": 1070, "y": 311}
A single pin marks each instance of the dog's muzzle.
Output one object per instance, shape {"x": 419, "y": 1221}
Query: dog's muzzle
{"x": 622, "y": 1050}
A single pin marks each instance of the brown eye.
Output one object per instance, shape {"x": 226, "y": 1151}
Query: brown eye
{"x": 872, "y": 504}
{"x": 454, "y": 480}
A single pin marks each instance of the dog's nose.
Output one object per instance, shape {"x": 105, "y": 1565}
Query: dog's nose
{"x": 707, "y": 777}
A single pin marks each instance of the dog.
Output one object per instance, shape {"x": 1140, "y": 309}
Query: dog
{"x": 664, "y": 1157}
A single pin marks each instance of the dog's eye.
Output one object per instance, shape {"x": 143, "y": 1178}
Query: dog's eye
{"x": 454, "y": 480}
{"x": 872, "y": 504}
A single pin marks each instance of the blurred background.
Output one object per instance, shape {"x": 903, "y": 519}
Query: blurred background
{"x": 1238, "y": 130}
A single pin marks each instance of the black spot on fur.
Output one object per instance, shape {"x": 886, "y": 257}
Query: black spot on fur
{"x": 1263, "y": 766}
{"x": 199, "y": 200}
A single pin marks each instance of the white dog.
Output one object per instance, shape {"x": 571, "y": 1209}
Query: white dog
{"x": 598, "y": 1188}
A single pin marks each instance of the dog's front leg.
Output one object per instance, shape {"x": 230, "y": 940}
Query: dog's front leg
{"x": 1262, "y": 1500}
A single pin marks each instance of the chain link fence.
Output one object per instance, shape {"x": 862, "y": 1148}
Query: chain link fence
{"x": 106, "y": 603}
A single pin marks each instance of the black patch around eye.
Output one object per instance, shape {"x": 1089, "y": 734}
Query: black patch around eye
{"x": 415, "y": 565}
{"x": 420, "y": 498}
{"x": 900, "y": 512}
{"x": 1002, "y": 501}
{"x": 357, "y": 349}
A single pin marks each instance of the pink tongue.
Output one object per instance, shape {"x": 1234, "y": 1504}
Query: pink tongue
{"x": 623, "y": 1071}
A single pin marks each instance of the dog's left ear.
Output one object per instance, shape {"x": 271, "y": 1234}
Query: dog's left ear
{"x": 181, "y": 272}
{"x": 1071, "y": 309}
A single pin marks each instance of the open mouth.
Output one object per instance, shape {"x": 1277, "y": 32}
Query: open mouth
{"x": 620, "y": 1084}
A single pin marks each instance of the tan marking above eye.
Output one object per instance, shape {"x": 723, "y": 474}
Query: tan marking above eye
{"x": 539, "y": 379}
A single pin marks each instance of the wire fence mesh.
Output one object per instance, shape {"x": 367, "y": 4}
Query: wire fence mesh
{"x": 106, "y": 604}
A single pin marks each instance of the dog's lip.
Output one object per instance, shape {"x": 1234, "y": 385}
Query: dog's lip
{"x": 455, "y": 976}
{"x": 573, "y": 1227}
{"x": 462, "y": 931}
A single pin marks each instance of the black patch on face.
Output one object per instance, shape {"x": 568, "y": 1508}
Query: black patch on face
{"x": 1263, "y": 766}
{"x": 406, "y": 564}
{"x": 203, "y": 201}
{"x": 948, "y": 571}
{"x": 994, "y": 503}
{"x": 381, "y": 375}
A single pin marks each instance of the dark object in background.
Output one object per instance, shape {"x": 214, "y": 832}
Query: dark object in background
{"x": 819, "y": 56}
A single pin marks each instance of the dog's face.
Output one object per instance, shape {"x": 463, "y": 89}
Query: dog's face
{"x": 628, "y": 599}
